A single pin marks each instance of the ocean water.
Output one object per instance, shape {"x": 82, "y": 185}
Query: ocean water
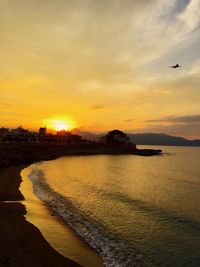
{"x": 61, "y": 237}
{"x": 129, "y": 208}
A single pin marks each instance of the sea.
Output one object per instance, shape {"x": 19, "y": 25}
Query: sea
{"x": 128, "y": 208}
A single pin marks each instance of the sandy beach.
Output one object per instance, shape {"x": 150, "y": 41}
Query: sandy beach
{"x": 55, "y": 231}
{"x": 10, "y": 180}
{"x": 21, "y": 242}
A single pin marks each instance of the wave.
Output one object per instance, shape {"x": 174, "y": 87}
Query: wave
{"x": 114, "y": 250}
{"x": 169, "y": 217}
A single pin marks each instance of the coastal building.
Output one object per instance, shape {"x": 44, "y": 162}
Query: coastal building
{"x": 42, "y": 135}
{"x": 42, "y": 131}
{"x": 20, "y": 135}
{"x": 67, "y": 137}
{"x": 3, "y": 133}
{"x": 20, "y": 131}
{"x": 116, "y": 137}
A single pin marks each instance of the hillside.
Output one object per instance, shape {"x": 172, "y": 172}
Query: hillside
{"x": 145, "y": 138}
{"x": 161, "y": 139}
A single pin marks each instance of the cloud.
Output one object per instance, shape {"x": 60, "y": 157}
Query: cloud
{"x": 187, "y": 126}
{"x": 5, "y": 105}
{"x": 69, "y": 55}
{"x": 76, "y": 36}
{"x": 191, "y": 16}
{"x": 128, "y": 120}
{"x": 178, "y": 119}
{"x": 188, "y": 130}
{"x": 98, "y": 107}
{"x": 195, "y": 68}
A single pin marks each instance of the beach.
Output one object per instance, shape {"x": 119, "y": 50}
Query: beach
{"x": 22, "y": 244}
{"x": 57, "y": 233}
{"x": 127, "y": 207}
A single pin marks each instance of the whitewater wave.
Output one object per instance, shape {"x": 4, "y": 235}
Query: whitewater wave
{"x": 114, "y": 250}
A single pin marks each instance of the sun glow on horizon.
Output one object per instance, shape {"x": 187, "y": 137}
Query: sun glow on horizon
{"x": 60, "y": 123}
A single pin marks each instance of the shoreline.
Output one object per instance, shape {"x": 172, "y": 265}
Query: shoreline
{"x": 57, "y": 233}
{"x": 27, "y": 153}
{"x": 22, "y": 244}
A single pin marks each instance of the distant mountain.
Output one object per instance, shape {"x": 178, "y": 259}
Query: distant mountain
{"x": 145, "y": 138}
{"x": 161, "y": 139}
{"x": 86, "y": 135}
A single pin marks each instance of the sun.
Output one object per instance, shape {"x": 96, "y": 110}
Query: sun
{"x": 60, "y": 123}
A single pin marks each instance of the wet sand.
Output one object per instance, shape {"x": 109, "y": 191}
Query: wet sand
{"x": 21, "y": 243}
{"x": 10, "y": 180}
{"x": 61, "y": 237}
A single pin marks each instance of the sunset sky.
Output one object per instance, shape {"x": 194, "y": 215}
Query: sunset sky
{"x": 101, "y": 64}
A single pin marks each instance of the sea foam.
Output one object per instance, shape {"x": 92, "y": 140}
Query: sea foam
{"x": 114, "y": 250}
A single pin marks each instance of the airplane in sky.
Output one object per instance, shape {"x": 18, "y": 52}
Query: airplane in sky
{"x": 175, "y": 66}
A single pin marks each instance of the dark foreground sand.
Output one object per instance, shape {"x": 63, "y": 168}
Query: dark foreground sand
{"x": 21, "y": 243}
{"x": 10, "y": 180}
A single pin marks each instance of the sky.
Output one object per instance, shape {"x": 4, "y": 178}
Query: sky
{"x": 101, "y": 65}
